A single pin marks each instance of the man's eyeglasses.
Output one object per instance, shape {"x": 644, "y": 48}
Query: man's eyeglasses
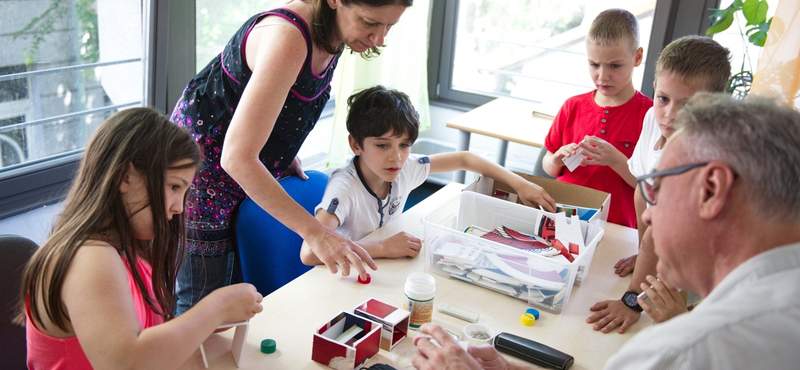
{"x": 647, "y": 182}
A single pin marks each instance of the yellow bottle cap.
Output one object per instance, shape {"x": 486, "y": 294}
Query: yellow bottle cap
{"x": 527, "y": 319}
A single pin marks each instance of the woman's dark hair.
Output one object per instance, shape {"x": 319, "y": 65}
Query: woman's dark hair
{"x": 325, "y": 23}
{"x": 378, "y": 110}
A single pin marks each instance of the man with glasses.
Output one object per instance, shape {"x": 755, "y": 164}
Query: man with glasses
{"x": 725, "y": 214}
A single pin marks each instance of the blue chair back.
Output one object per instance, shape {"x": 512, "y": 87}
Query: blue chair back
{"x": 268, "y": 251}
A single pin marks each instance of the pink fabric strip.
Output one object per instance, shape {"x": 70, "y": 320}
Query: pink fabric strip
{"x": 303, "y": 98}
{"x": 222, "y": 62}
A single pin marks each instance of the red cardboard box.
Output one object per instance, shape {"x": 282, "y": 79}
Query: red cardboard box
{"x": 346, "y": 342}
{"x": 393, "y": 319}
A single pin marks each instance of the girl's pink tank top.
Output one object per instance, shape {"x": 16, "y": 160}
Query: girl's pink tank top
{"x": 49, "y": 353}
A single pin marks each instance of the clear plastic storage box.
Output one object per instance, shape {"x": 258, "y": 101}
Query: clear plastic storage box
{"x": 454, "y": 247}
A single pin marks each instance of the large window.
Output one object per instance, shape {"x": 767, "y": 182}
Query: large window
{"x": 530, "y": 49}
{"x": 65, "y": 65}
{"x": 217, "y": 20}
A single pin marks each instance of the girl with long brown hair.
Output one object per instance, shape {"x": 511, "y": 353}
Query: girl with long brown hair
{"x": 99, "y": 293}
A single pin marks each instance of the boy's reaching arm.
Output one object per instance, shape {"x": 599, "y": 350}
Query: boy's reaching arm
{"x": 530, "y": 193}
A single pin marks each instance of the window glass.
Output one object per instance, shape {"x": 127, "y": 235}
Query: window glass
{"x": 65, "y": 65}
{"x": 532, "y": 49}
{"x": 217, "y": 20}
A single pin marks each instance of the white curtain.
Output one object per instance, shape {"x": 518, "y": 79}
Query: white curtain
{"x": 778, "y": 71}
{"x": 402, "y": 65}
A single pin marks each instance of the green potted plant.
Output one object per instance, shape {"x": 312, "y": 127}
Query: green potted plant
{"x": 754, "y": 30}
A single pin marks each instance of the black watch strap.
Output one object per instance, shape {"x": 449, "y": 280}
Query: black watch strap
{"x": 629, "y": 299}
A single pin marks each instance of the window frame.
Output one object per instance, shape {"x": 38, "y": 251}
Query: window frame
{"x": 46, "y": 182}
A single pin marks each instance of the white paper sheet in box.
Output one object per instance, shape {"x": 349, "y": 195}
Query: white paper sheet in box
{"x": 526, "y": 274}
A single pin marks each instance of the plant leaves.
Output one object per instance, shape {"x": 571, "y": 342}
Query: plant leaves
{"x": 721, "y": 19}
{"x": 755, "y": 11}
{"x": 757, "y": 35}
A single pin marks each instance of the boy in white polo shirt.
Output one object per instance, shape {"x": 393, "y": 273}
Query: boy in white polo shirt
{"x": 372, "y": 189}
{"x": 687, "y": 65}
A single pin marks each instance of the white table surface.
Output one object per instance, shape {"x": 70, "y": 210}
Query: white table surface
{"x": 293, "y": 313}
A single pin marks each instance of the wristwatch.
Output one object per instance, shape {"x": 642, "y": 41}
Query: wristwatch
{"x": 629, "y": 299}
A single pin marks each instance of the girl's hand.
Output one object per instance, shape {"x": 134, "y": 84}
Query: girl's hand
{"x": 240, "y": 302}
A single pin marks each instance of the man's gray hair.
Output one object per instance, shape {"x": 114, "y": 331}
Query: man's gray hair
{"x": 759, "y": 138}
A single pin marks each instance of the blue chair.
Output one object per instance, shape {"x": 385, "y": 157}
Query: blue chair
{"x": 269, "y": 253}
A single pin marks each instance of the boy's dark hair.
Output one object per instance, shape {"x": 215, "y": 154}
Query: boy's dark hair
{"x": 698, "y": 61}
{"x": 615, "y": 26}
{"x": 378, "y": 110}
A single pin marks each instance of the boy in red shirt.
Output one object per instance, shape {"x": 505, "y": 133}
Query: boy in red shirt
{"x": 604, "y": 124}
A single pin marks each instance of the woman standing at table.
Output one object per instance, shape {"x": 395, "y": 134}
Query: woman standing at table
{"x": 250, "y": 109}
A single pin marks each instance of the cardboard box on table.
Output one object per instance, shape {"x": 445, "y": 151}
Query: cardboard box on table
{"x": 523, "y": 273}
{"x": 352, "y": 353}
{"x": 562, "y": 192}
{"x": 393, "y": 319}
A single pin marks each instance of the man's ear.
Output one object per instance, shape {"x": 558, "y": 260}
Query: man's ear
{"x": 354, "y": 145}
{"x": 333, "y": 4}
{"x": 716, "y": 186}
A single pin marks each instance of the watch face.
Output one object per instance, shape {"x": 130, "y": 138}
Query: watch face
{"x": 629, "y": 299}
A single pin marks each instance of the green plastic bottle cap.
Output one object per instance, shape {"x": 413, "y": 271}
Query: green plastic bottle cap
{"x": 268, "y": 346}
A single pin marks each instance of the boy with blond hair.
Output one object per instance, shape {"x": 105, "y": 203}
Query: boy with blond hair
{"x": 603, "y": 124}
{"x": 687, "y": 65}
{"x": 372, "y": 189}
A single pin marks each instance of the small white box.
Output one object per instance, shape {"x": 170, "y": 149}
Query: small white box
{"x": 393, "y": 319}
{"x": 522, "y": 273}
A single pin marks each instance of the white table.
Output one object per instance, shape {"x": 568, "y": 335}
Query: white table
{"x": 293, "y": 313}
